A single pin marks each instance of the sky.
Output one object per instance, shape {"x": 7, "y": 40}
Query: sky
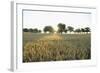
{"x": 40, "y": 19}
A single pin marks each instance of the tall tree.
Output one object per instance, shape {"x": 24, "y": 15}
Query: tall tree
{"x": 61, "y": 27}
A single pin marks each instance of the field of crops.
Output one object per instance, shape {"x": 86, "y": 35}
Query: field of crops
{"x": 55, "y": 47}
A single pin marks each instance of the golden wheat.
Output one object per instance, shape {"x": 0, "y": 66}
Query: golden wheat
{"x": 56, "y": 47}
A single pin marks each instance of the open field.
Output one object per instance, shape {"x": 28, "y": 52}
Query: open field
{"x": 55, "y": 47}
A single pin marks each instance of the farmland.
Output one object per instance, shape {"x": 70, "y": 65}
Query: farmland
{"x": 55, "y": 47}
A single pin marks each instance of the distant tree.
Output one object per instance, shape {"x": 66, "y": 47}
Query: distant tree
{"x": 30, "y": 30}
{"x": 65, "y": 30}
{"x": 82, "y": 30}
{"x": 25, "y": 30}
{"x": 39, "y": 31}
{"x": 48, "y": 29}
{"x": 87, "y": 29}
{"x": 70, "y": 28}
{"x": 78, "y": 30}
{"x": 35, "y": 30}
{"x": 61, "y": 28}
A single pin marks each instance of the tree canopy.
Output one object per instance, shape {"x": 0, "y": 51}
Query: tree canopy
{"x": 61, "y": 27}
{"x": 35, "y": 30}
{"x": 48, "y": 29}
{"x": 70, "y": 28}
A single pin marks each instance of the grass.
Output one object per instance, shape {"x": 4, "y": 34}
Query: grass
{"x": 55, "y": 47}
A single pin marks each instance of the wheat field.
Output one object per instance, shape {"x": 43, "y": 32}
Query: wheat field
{"x": 55, "y": 47}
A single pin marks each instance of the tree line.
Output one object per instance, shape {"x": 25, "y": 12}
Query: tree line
{"x": 61, "y": 29}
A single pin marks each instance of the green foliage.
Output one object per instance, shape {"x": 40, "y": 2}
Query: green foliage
{"x": 87, "y": 29}
{"x": 30, "y": 30}
{"x": 70, "y": 28}
{"x": 48, "y": 29}
{"x": 65, "y": 30}
{"x": 61, "y": 27}
{"x": 78, "y": 30}
{"x": 82, "y": 30}
{"x": 39, "y": 31}
{"x": 25, "y": 30}
{"x": 35, "y": 30}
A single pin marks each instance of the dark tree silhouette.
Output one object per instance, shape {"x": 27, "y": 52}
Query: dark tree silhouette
{"x": 87, "y": 29}
{"x": 82, "y": 30}
{"x": 70, "y": 28}
{"x": 61, "y": 28}
{"x": 78, "y": 30}
{"x": 30, "y": 30}
{"x": 39, "y": 31}
{"x": 65, "y": 30}
{"x": 25, "y": 30}
{"x": 48, "y": 29}
{"x": 35, "y": 30}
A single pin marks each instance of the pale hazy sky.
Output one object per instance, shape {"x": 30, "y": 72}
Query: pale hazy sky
{"x": 40, "y": 19}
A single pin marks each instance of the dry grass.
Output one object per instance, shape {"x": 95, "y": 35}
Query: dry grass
{"x": 55, "y": 47}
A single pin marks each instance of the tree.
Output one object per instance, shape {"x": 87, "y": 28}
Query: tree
{"x": 70, "y": 28}
{"x": 61, "y": 27}
{"x": 25, "y": 30}
{"x": 82, "y": 30}
{"x": 30, "y": 30}
{"x": 39, "y": 31}
{"x": 78, "y": 30}
{"x": 87, "y": 29}
{"x": 48, "y": 29}
{"x": 35, "y": 30}
{"x": 65, "y": 30}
